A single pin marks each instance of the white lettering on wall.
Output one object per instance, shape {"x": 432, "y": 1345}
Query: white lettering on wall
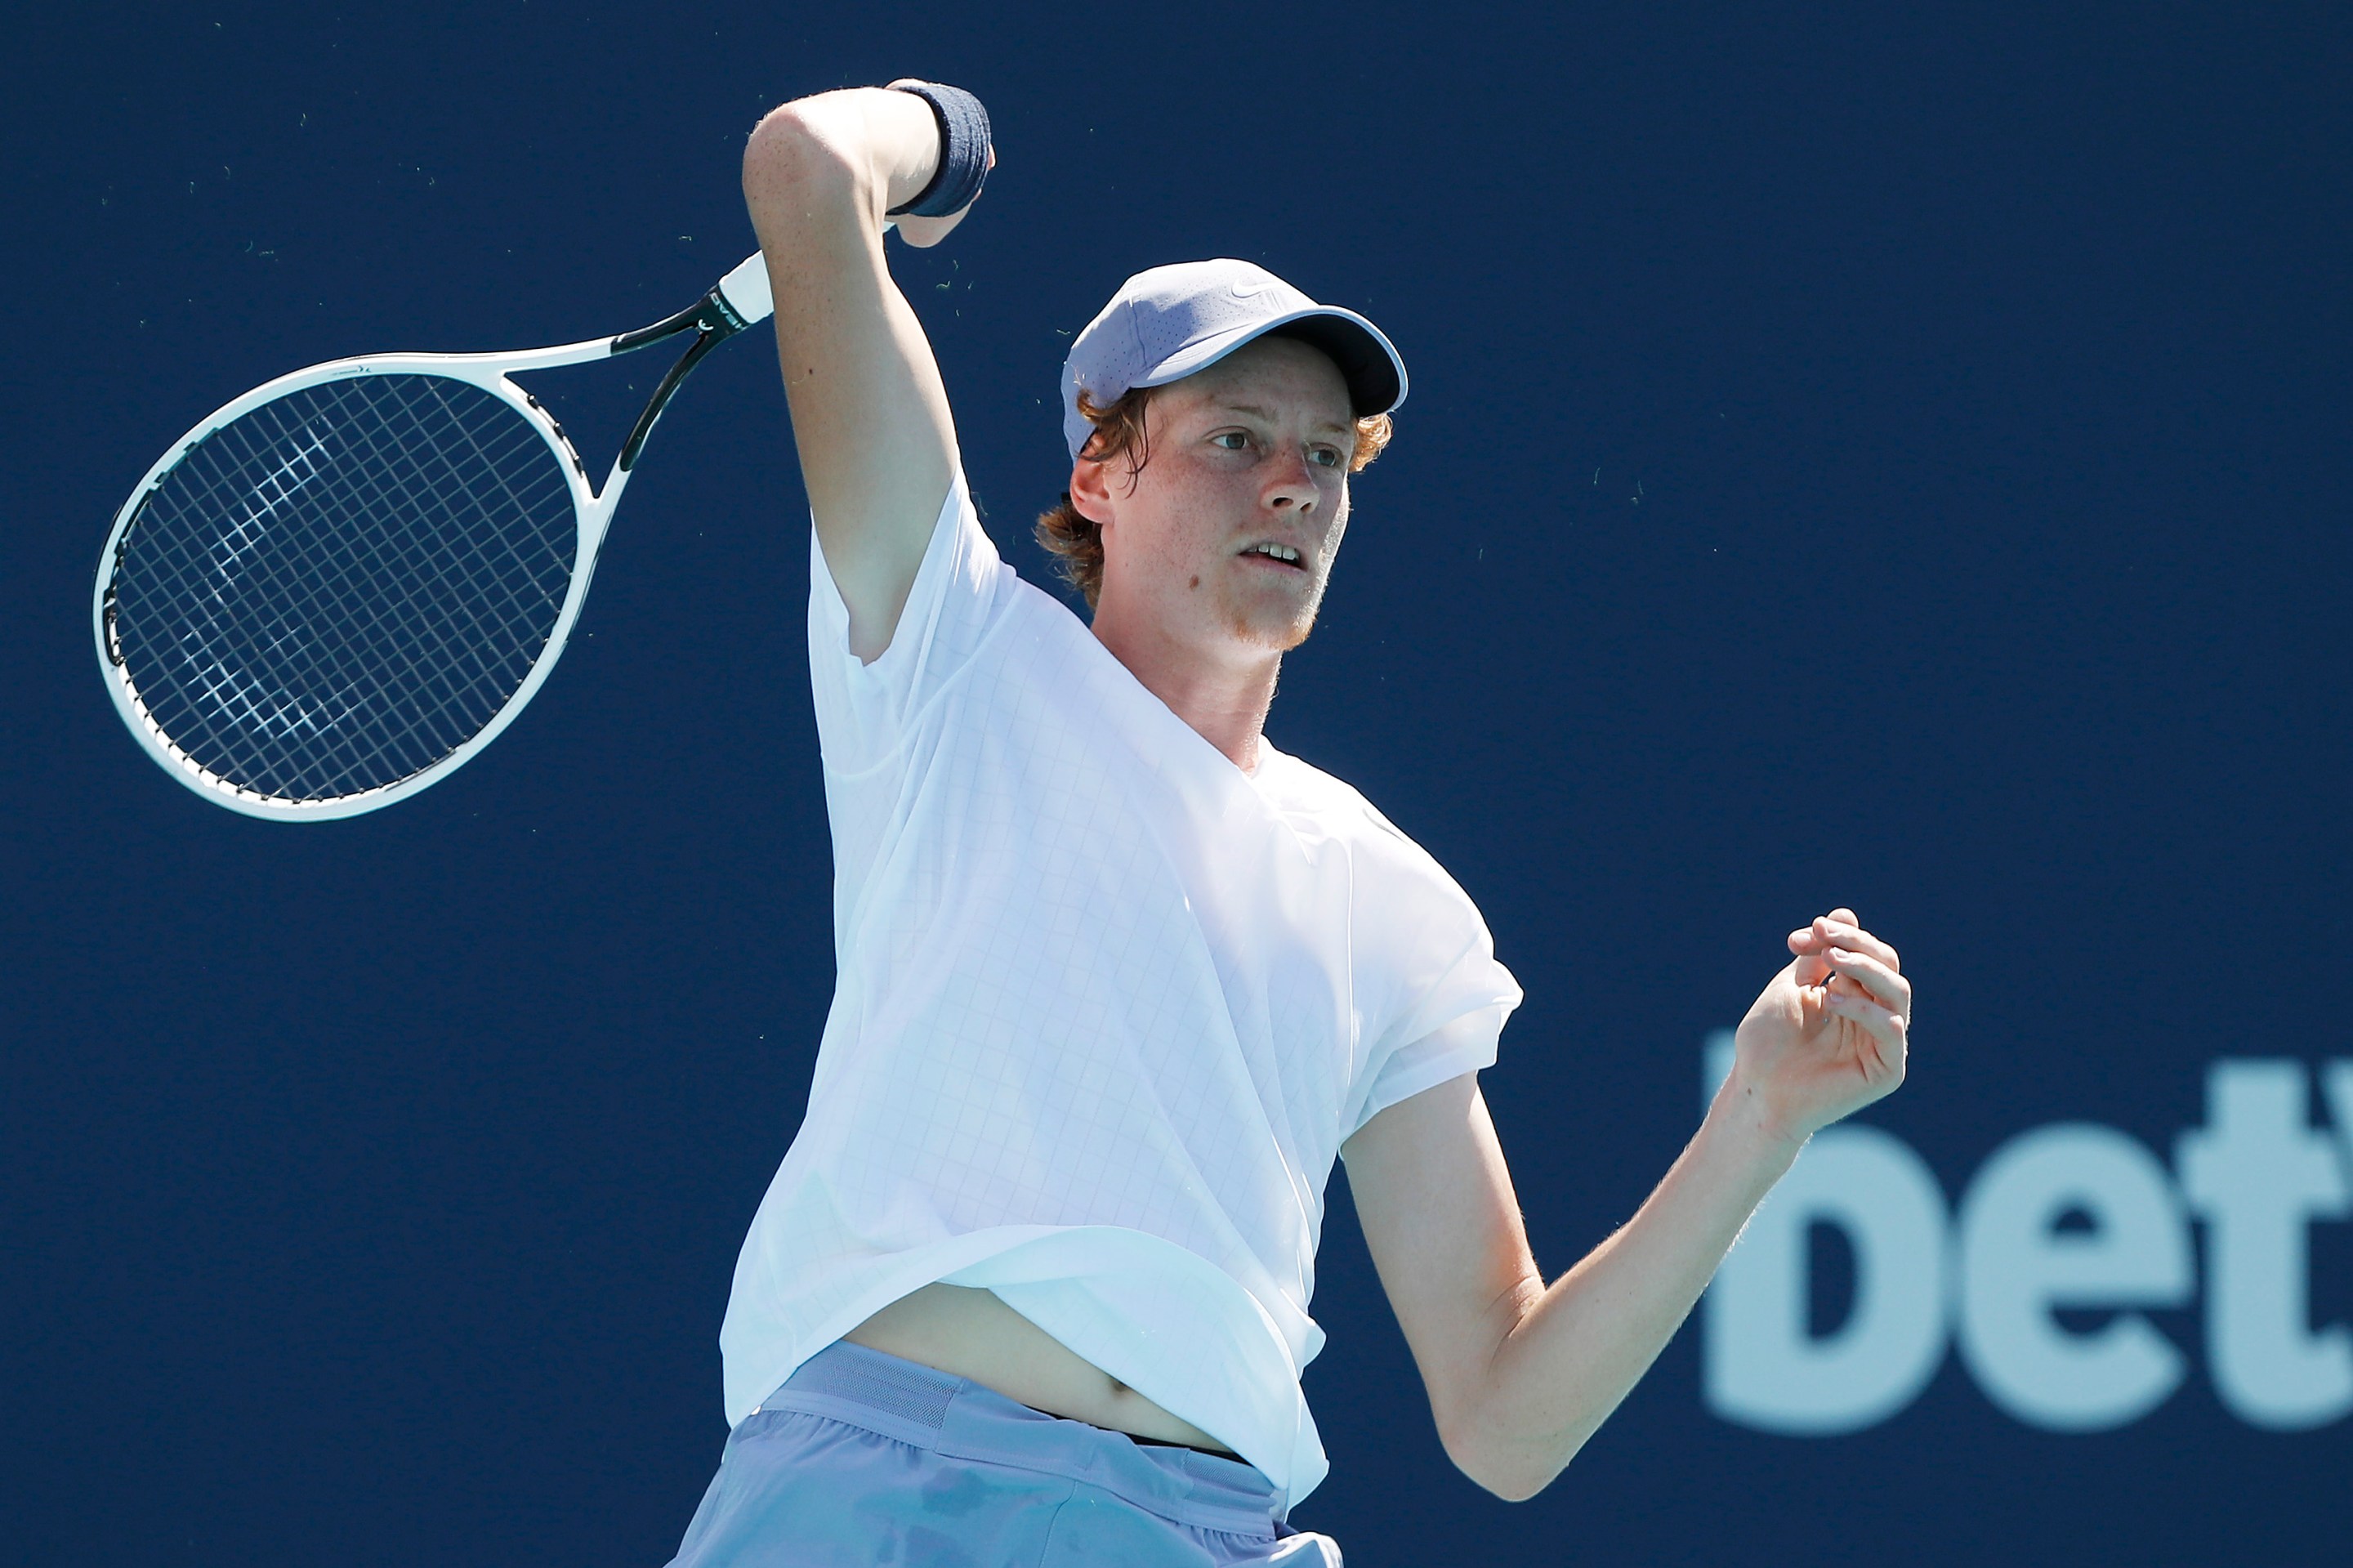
{"x": 2070, "y": 1216}
{"x": 2259, "y": 1175}
{"x": 2015, "y": 1264}
{"x": 1763, "y": 1367}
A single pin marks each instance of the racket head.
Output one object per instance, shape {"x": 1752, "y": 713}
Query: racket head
{"x": 334, "y": 590}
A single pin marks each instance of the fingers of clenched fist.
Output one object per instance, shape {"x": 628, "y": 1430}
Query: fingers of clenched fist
{"x": 1839, "y": 1041}
{"x": 1811, "y": 941}
{"x": 1861, "y": 977}
{"x": 1871, "y": 994}
{"x": 1837, "y": 932}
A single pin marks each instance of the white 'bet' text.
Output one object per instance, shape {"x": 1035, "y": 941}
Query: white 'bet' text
{"x": 2072, "y": 1217}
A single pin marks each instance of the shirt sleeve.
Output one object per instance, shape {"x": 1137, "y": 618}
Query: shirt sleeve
{"x": 1467, "y": 1044}
{"x": 864, "y": 709}
{"x": 867, "y": 710}
{"x": 1434, "y": 998}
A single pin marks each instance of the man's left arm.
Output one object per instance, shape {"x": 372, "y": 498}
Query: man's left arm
{"x": 1520, "y": 1373}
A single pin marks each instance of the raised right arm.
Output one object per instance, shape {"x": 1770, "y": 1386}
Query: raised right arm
{"x": 869, "y": 413}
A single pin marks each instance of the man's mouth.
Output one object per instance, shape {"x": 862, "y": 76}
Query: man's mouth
{"x": 1282, "y": 554}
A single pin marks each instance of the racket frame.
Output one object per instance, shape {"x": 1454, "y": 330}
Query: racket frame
{"x": 740, "y": 301}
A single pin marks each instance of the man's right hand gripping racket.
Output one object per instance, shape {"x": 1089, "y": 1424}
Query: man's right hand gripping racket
{"x": 339, "y": 588}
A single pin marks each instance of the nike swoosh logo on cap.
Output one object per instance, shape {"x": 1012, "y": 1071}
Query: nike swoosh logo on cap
{"x": 1244, "y": 290}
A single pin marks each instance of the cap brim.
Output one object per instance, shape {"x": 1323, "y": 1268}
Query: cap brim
{"x": 1367, "y": 361}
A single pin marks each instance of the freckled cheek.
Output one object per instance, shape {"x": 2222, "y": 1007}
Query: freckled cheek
{"x": 1181, "y": 559}
{"x": 1192, "y": 520}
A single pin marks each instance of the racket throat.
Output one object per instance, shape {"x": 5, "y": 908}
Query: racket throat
{"x": 713, "y": 321}
{"x": 703, "y": 343}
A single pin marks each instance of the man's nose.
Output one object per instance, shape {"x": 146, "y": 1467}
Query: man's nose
{"x": 1293, "y": 484}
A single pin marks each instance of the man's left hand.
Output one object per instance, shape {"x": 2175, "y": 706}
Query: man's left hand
{"x": 1829, "y": 1035}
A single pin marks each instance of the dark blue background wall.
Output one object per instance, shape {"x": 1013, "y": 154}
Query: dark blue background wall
{"x": 1891, "y": 456}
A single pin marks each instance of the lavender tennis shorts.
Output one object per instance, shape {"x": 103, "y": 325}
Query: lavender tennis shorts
{"x": 864, "y": 1457}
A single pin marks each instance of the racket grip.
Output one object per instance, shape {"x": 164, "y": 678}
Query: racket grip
{"x": 745, "y": 289}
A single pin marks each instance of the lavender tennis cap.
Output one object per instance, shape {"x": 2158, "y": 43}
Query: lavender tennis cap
{"x": 1170, "y": 322}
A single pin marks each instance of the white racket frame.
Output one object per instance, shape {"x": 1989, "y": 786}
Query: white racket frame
{"x": 746, "y": 292}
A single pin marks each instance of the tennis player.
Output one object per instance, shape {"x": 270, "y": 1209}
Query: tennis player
{"x": 1118, "y": 979}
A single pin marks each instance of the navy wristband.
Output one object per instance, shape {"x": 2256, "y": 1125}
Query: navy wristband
{"x": 964, "y": 152}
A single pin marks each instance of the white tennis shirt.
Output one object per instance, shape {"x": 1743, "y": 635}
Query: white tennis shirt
{"x": 1107, "y": 1008}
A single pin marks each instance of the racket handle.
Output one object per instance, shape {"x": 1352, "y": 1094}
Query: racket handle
{"x": 746, "y": 289}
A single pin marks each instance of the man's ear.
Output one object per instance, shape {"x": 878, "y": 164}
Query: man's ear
{"x": 1090, "y": 491}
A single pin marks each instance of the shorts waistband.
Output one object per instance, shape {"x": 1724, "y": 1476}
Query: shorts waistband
{"x": 955, "y": 1416}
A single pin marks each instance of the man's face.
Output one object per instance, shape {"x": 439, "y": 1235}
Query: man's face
{"x": 1224, "y": 542}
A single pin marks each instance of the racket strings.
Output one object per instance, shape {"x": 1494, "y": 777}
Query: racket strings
{"x": 341, "y": 587}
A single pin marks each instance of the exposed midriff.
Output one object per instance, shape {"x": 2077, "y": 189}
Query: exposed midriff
{"x": 970, "y": 1333}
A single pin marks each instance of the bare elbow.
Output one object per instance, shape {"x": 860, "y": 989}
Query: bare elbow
{"x": 1512, "y": 1471}
{"x": 1513, "y": 1486}
{"x": 793, "y": 163}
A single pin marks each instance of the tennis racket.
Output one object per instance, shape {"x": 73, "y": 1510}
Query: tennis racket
{"x": 337, "y": 590}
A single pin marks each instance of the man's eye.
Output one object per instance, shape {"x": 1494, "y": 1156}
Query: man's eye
{"x": 1232, "y": 441}
{"x": 1326, "y": 457}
